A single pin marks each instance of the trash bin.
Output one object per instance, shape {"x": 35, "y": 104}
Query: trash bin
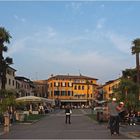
{"x": 100, "y": 116}
{"x": 6, "y": 119}
{"x": 21, "y": 117}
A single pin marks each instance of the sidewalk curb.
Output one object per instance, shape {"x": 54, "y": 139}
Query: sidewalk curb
{"x": 128, "y": 135}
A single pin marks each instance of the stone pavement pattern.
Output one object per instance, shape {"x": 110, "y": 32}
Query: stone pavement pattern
{"x": 53, "y": 127}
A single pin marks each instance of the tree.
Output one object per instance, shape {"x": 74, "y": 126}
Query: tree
{"x": 136, "y": 51}
{"x": 128, "y": 89}
{"x": 4, "y": 38}
{"x": 127, "y": 92}
{"x": 7, "y": 100}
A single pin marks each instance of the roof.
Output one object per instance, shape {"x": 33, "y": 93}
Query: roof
{"x": 12, "y": 68}
{"x": 22, "y": 78}
{"x": 65, "y": 77}
{"x": 111, "y": 81}
{"x": 40, "y": 82}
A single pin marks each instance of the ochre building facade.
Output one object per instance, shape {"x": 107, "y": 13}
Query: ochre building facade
{"x": 75, "y": 90}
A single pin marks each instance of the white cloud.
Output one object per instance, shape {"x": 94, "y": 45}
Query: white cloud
{"x": 51, "y": 32}
{"x": 17, "y": 46}
{"x": 102, "y": 5}
{"x": 70, "y": 53}
{"x": 19, "y": 18}
{"x": 100, "y": 23}
{"x": 87, "y": 30}
{"x": 120, "y": 42}
{"x": 75, "y": 7}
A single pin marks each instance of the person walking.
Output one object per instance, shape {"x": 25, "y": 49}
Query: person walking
{"x": 68, "y": 114}
{"x": 114, "y": 110}
{"x": 122, "y": 112}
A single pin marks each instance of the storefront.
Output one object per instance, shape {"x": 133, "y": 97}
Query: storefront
{"x": 74, "y": 103}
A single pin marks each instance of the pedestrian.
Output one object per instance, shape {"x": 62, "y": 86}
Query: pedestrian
{"x": 122, "y": 112}
{"x": 114, "y": 110}
{"x": 132, "y": 118}
{"x": 68, "y": 113}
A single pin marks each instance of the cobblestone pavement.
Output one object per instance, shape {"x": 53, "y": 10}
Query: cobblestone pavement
{"x": 53, "y": 127}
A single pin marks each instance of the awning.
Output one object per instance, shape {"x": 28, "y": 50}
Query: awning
{"x": 73, "y": 100}
{"x": 34, "y": 99}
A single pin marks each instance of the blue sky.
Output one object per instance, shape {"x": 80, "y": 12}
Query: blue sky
{"x": 93, "y": 38}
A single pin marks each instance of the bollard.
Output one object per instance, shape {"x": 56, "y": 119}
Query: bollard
{"x": 6, "y": 122}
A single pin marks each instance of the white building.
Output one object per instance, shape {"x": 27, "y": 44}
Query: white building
{"x": 24, "y": 86}
{"x": 10, "y": 79}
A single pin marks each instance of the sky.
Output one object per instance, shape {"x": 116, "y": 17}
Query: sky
{"x": 92, "y": 38}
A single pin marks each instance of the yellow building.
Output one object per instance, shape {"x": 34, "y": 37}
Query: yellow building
{"x": 108, "y": 88}
{"x": 76, "y": 90}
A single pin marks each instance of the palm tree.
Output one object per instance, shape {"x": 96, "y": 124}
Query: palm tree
{"x": 4, "y": 38}
{"x": 127, "y": 92}
{"x": 136, "y": 51}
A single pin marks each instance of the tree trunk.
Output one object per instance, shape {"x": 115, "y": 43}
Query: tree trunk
{"x": 138, "y": 74}
{"x": 137, "y": 67}
{"x": 3, "y": 81}
{"x": 0, "y": 64}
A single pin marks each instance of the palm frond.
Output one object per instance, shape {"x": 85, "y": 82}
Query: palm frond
{"x": 4, "y": 35}
{"x": 5, "y": 48}
{"x": 135, "y": 49}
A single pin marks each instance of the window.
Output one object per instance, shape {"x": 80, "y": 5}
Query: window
{"x": 63, "y": 93}
{"x": 82, "y": 87}
{"x": 70, "y": 84}
{"x": 54, "y": 84}
{"x": 72, "y": 93}
{"x": 51, "y": 93}
{"x": 69, "y": 93}
{"x": 57, "y": 84}
{"x": 63, "y": 84}
{"x": 56, "y": 93}
{"x": 79, "y": 87}
{"x": 75, "y": 87}
{"x": 13, "y": 82}
{"x": 50, "y": 84}
{"x": 9, "y": 81}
